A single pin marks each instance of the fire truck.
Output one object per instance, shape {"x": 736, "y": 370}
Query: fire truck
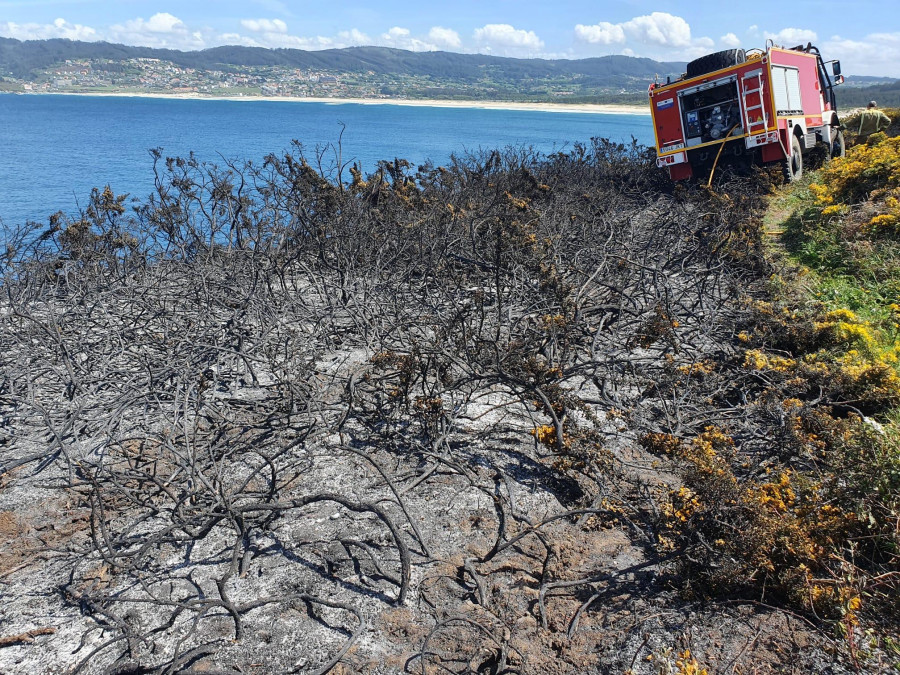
{"x": 753, "y": 107}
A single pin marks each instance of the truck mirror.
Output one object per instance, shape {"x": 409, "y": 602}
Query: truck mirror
{"x": 839, "y": 79}
{"x": 836, "y": 68}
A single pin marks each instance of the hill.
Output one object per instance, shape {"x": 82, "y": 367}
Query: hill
{"x": 859, "y": 81}
{"x": 378, "y": 71}
{"x": 886, "y": 94}
{"x": 22, "y": 59}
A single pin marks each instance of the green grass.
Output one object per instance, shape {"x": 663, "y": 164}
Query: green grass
{"x": 841, "y": 292}
{"x": 833, "y": 272}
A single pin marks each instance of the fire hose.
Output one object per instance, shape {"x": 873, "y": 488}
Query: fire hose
{"x": 719, "y": 154}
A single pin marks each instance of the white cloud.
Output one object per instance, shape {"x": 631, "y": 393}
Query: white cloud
{"x": 166, "y": 30}
{"x": 237, "y": 39}
{"x": 503, "y": 38}
{"x": 699, "y": 47}
{"x": 659, "y": 28}
{"x": 271, "y": 33}
{"x": 730, "y": 41}
{"x": 603, "y": 33}
{"x": 445, "y": 38}
{"x": 275, "y": 33}
{"x": 401, "y": 38}
{"x": 158, "y": 23}
{"x": 396, "y": 33}
{"x": 160, "y": 30}
{"x": 265, "y": 25}
{"x": 164, "y": 22}
{"x": 790, "y": 37}
{"x": 877, "y": 54}
{"x": 353, "y": 38}
{"x": 657, "y": 35}
{"x": 311, "y": 43}
{"x": 58, "y": 29}
{"x": 322, "y": 42}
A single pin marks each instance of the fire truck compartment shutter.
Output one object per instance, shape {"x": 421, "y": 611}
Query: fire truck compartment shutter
{"x": 786, "y": 87}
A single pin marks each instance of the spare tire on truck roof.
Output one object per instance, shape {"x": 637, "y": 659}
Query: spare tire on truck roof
{"x": 715, "y": 61}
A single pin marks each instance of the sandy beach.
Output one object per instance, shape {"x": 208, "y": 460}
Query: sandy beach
{"x": 594, "y": 108}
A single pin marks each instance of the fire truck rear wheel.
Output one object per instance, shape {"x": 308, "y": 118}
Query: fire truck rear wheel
{"x": 793, "y": 165}
{"x": 715, "y": 61}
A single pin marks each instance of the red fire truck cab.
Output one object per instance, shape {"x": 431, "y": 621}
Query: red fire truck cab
{"x": 752, "y": 107}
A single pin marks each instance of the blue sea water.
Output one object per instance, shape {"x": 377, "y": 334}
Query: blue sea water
{"x": 54, "y": 149}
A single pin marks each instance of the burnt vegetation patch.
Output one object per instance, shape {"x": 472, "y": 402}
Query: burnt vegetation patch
{"x": 494, "y": 417}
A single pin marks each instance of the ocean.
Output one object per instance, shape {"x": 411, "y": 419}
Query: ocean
{"x": 54, "y": 149}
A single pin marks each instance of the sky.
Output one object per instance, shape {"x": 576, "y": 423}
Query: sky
{"x": 864, "y": 35}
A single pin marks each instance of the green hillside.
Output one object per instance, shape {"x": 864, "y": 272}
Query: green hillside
{"x": 856, "y": 97}
{"x": 21, "y": 59}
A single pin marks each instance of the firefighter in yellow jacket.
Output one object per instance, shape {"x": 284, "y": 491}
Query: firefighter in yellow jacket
{"x": 872, "y": 120}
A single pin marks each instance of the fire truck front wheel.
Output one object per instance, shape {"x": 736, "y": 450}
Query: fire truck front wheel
{"x": 837, "y": 143}
{"x": 793, "y": 165}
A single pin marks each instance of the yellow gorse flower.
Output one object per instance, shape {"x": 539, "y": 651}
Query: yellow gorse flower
{"x": 870, "y": 170}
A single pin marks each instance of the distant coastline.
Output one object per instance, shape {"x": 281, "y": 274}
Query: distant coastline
{"x": 592, "y": 108}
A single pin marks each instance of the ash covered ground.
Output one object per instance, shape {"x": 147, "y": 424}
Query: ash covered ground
{"x": 263, "y": 423}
